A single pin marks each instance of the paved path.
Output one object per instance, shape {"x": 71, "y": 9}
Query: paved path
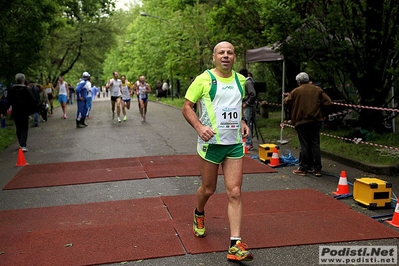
{"x": 165, "y": 133}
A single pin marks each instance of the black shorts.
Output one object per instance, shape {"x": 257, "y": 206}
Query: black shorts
{"x": 114, "y": 98}
{"x": 50, "y": 96}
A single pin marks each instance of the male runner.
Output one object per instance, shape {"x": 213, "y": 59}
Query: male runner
{"x": 115, "y": 85}
{"x": 220, "y": 130}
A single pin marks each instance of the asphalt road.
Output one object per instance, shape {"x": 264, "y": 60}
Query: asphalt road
{"x": 165, "y": 133}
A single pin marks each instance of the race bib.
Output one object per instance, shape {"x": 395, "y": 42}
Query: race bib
{"x": 228, "y": 117}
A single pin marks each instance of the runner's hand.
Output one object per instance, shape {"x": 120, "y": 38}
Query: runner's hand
{"x": 205, "y": 133}
{"x": 244, "y": 129}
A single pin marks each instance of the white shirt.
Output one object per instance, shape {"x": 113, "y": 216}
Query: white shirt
{"x": 115, "y": 87}
{"x": 165, "y": 86}
{"x": 88, "y": 88}
{"x": 62, "y": 90}
{"x": 142, "y": 90}
{"x": 125, "y": 91}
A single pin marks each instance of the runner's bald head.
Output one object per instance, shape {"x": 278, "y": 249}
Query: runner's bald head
{"x": 220, "y": 44}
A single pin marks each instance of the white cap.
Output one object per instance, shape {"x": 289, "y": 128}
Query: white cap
{"x": 85, "y": 74}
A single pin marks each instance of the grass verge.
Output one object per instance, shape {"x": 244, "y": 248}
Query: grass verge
{"x": 7, "y": 134}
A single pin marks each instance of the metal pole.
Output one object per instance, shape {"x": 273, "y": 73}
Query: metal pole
{"x": 393, "y": 106}
{"x": 281, "y": 141}
{"x": 171, "y": 84}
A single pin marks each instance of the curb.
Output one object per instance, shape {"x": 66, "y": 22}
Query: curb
{"x": 390, "y": 170}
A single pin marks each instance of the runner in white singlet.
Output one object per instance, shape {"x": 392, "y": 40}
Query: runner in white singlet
{"x": 142, "y": 90}
{"x": 115, "y": 85}
{"x": 126, "y": 96}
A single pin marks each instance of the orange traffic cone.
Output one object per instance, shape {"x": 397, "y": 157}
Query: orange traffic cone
{"x": 395, "y": 218}
{"x": 21, "y": 158}
{"x": 275, "y": 160}
{"x": 343, "y": 187}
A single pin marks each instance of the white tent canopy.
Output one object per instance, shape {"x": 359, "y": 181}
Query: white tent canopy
{"x": 267, "y": 54}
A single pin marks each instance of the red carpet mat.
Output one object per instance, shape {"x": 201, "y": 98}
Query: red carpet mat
{"x": 84, "y": 172}
{"x": 118, "y": 231}
{"x": 93, "y": 233}
{"x": 274, "y": 219}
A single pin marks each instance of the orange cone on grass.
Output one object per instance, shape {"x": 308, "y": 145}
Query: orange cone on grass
{"x": 21, "y": 158}
{"x": 343, "y": 187}
{"x": 275, "y": 160}
{"x": 395, "y": 218}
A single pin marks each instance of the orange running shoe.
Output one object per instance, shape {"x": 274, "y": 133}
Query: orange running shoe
{"x": 239, "y": 252}
{"x": 199, "y": 225}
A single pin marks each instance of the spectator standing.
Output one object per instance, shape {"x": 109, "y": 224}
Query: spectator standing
{"x": 23, "y": 103}
{"x": 44, "y": 103}
{"x": 50, "y": 94}
{"x": 81, "y": 94}
{"x": 159, "y": 90}
{"x": 220, "y": 130}
{"x": 3, "y": 105}
{"x": 94, "y": 92}
{"x": 165, "y": 88}
{"x": 71, "y": 94}
{"x": 89, "y": 101}
{"x": 248, "y": 104}
{"x": 35, "y": 90}
{"x": 310, "y": 105}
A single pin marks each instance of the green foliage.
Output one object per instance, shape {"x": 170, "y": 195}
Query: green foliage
{"x": 23, "y": 27}
{"x": 340, "y": 42}
{"x": 162, "y": 45}
{"x": 337, "y": 42}
{"x": 48, "y": 38}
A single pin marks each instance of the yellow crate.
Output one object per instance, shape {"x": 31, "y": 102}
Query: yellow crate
{"x": 265, "y": 152}
{"x": 372, "y": 192}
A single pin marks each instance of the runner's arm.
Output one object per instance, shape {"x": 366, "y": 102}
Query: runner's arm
{"x": 204, "y": 132}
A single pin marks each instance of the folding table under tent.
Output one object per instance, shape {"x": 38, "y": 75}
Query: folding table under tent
{"x": 267, "y": 54}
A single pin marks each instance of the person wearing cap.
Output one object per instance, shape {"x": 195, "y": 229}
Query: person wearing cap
{"x": 309, "y": 107}
{"x": 82, "y": 88}
{"x": 62, "y": 89}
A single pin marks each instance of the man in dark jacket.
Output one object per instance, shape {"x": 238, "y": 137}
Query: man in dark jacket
{"x": 248, "y": 104}
{"x": 309, "y": 107}
{"x": 23, "y": 104}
